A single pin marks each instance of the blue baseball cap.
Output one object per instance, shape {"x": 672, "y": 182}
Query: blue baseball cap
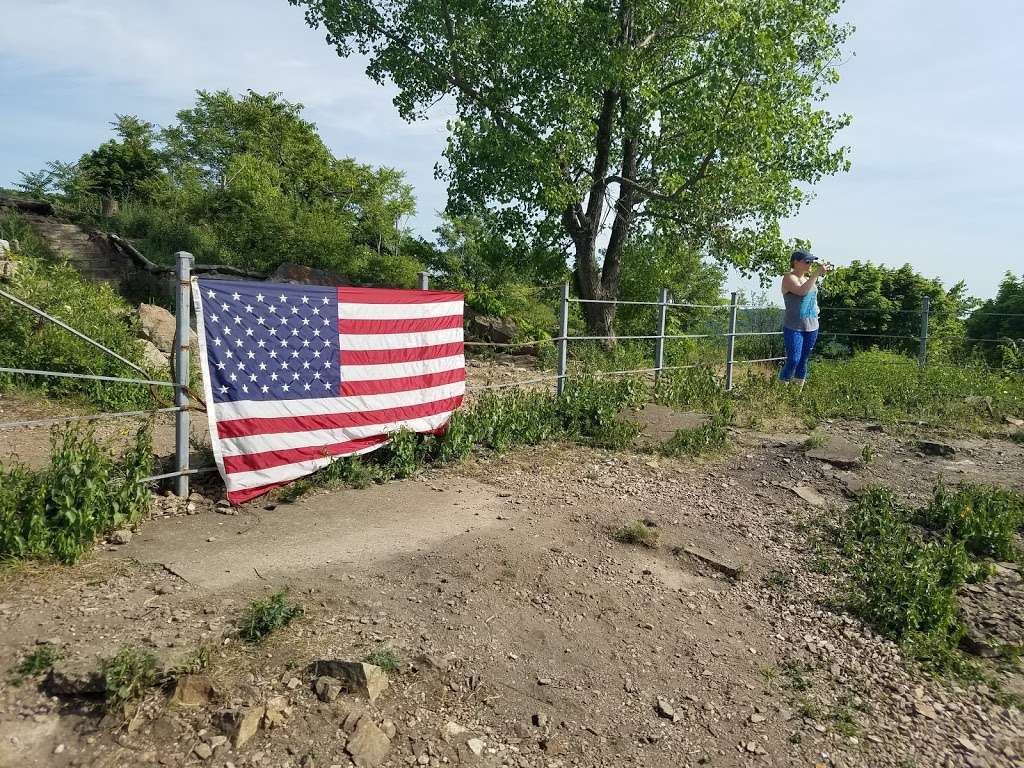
{"x": 802, "y": 255}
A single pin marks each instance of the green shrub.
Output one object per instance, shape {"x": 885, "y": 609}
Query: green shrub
{"x": 902, "y": 586}
{"x": 58, "y": 512}
{"x": 266, "y": 616}
{"x": 384, "y": 657}
{"x": 637, "y": 533}
{"x": 984, "y": 518}
{"x": 26, "y": 341}
{"x": 129, "y": 675}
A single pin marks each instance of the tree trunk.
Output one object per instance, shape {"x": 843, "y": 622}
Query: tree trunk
{"x": 600, "y": 318}
{"x": 109, "y": 206}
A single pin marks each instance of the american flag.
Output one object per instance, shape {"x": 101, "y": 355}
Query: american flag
{"x": 298, "y": 375}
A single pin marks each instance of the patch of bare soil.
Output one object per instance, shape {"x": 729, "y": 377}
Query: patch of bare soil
{"x": 531, "y": 638}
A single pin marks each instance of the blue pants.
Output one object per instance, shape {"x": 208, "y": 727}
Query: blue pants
{"x": 798, "y": 352}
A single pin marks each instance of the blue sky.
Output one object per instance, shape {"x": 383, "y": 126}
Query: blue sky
{"x": 934, "y": 88}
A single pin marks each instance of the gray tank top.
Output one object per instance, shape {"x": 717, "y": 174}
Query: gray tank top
{"x": 801, "y": 311}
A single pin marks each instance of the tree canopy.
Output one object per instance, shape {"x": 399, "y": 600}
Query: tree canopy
{"x": 584, "y": 122}
{"x": 247, "y": 181}
{"x": 872, "y": 301}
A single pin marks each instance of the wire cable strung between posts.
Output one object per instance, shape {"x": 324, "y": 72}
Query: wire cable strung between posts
{"x": 180, "y": 473}
{"x": 69, "y": 329}
{"x": 91, "y": 417}
{"x": 89, "y": 376}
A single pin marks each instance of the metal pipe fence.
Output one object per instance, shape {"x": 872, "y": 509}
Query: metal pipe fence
{"x": 182, "y": 472}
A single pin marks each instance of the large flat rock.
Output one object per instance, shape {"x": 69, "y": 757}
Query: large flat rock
{"x": 351, "y": 529}
{"x": 839, "y": 452}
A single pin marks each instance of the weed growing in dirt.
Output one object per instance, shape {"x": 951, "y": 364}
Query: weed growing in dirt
{"x": 867, "y": 454}
{"x": 796, "y": 675}
{"x": 36, "y": 662}
{"x": 903, "y": 586}
{"x": 196, "y": 662}
{"x": 59, "y": 512}
{"x": 706, "y": 439}
{"x": 128, "y": 675}
{"x": 265, "y": 616}
{"x": 815, "y": 440}
{"x": 637, "y": 533}
{"x": 985, "y": 519}
{"x": 385, "y": 658}
{"x": 780, "y": 580}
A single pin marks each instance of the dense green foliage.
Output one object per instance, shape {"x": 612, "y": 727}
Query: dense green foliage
{"x": 578, "y": 119}
{"x": 985, "y": 519}
{"x": 244, "y": 181}
{"x": 85, "y": 492}
{"x": 26, "y": 341}
{"x": 870, "y": 301}
{"x": 903, "y": 586}
{"x": 1002, "y": 318}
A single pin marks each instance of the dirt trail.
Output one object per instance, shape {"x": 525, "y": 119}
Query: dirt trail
{"x": 349, "y": 530}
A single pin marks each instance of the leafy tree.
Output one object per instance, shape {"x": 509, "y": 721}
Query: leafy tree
{"x": 871, "y": 301}
{"x": 663, "y": 260}
{"x": 472, "y": 253}
{"x": 580, "y": 120}
{"x": 1003, "y": 316}
{"x": 121, "y": 169}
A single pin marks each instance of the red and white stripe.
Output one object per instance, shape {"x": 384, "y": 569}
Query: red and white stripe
{"x": 402, "y": 366}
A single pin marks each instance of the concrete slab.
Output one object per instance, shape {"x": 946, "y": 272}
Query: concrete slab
{"x": 353, "y": 529}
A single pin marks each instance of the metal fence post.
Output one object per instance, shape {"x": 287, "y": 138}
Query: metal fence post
{"x": 659, "y": 345}
{"x": 563, "y": 342}
{"x": 183, "y": 307}
{"x": 423, "y": 281}
{"x": 730, "y": 349}
{"x": 922, "y": 354}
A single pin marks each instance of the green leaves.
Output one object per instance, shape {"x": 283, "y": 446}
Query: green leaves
{"x": 578, "y": 118}
{"x": 59, "y": 512}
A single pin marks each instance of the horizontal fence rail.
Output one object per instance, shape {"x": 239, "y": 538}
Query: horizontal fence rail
{"x": 180, "y": 352}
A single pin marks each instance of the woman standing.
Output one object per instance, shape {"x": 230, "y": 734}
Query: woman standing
{"x": 800, "y": 324}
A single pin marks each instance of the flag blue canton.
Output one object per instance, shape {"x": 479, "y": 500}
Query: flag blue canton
{"x": 266, "y": 342}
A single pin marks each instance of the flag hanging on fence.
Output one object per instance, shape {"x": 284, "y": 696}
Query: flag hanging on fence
{"x": 298, "y": 375}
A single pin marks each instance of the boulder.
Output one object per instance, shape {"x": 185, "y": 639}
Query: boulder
{"x": 192, "y": 691}
{"x": 494, "y": 329}
{"x": 809, "y": 494}
{"x": 158, "y": 327}
{"x": 71, "y": 677}
{"x": 354, "y": 676}
{"x": 152, "y": 356}
{"x": 369, "y": 745}
{"x": 327, "y": 688}
{"x": 241, "y": 724}
{"x": 935, "y": 448}
{"x": 839, "y": 452}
